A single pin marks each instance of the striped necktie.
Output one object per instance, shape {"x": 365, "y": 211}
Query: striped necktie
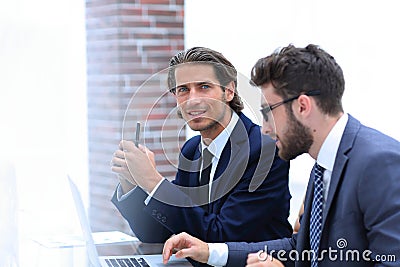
{"x": 206, "y": 170}
{"x": 316, "y": 213}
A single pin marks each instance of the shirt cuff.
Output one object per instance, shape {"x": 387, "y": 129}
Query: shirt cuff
{"x": 218, "y": 254}
{"x": 120, "y": 195}
{"x": 151, "y": 194}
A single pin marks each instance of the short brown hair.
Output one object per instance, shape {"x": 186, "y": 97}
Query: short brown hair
{"x": 224, "y": 70}
{"x": 293, "y": 71}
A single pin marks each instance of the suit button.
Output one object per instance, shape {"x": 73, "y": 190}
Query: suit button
{"x": 164, "y": 219}
{"x": 159, "y": 216}
{"x": 154, "y": 212}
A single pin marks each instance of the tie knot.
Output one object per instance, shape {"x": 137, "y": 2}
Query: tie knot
{"x": 206, "y": 168}
{"x": 207, "y": 157}
{"x": 319, "y": 170}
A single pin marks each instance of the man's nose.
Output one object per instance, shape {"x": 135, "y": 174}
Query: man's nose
{"x": 194, "y": 95}
{"x": 267, "y": 127}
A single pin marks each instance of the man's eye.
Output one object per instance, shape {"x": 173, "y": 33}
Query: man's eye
{"x": 205, "y": 86}
{"x": 182, "y": 89}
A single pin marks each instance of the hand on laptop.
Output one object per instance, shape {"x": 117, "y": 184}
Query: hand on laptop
{"x": 187, "y": 246}
{"x": 136, "y": 165}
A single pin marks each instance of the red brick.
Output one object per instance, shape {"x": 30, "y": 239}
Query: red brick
{"x": 158, "y": 12}
{"x": 177, "y": 36}
{"x": 153, "y": 36}
{"x": 131, "y": 12}
{"x": 163, "y": 24}
{"x": 155, "y": 2}
{"x": 135, "y": 24}
{"x": 157, "y": 48}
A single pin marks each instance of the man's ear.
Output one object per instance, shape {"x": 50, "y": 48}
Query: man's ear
{"x": 230, "y": 91}
{"x": 302, "y": 107}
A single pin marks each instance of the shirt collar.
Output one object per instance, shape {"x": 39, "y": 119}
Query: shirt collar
{"x": 218, "y": 144}
{"x": 327, "y": 154}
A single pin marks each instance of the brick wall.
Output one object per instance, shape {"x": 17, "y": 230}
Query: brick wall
{"x": 127, "y": 42}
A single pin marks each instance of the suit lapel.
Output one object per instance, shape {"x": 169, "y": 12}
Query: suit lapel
{"x": 346, "y": 144}
{"x": 304, "y": 232}
{"x": 224, "y": 159}
{"x": 340, "y": 163}
{"x": 195, "y": 167}
{"x": 226, "y": 174}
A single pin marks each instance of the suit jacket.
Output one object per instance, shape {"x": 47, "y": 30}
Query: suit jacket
{"x": 235, "y": 212}
{"x": 362, "y": 212}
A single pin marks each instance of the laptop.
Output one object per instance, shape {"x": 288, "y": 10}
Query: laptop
{"x": 115, "y": 261}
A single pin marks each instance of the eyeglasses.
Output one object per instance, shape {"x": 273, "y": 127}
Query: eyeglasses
{"x": 266, "y": 110}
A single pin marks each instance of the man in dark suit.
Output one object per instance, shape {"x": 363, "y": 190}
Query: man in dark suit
{"x": 242, "y": 159}
{"x": 352, "y": 204}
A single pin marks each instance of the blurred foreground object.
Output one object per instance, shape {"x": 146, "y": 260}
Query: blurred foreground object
{"x": 8, "y": 216}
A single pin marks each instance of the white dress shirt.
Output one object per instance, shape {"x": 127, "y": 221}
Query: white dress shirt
{"x": 327, "y": 153}
{"x": 326, "y": 158}
{"x": 217, "y": 146}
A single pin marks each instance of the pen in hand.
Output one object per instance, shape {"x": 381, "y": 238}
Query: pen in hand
{"x": 137, "y": 134}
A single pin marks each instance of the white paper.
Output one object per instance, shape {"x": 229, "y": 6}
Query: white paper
{"x": 112, "y": 237}
{"x": 99, "y": 238}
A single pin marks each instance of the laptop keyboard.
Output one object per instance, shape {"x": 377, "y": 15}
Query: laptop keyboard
{"x": 127, "y": 262}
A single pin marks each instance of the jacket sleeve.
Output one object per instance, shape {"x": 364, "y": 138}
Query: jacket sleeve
{"x": 142, "y": 224}
{"x": 279, "y": 249}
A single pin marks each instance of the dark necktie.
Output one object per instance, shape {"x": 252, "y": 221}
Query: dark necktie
{"x": 316, "y": 213}
{"x": 206, "y": 169}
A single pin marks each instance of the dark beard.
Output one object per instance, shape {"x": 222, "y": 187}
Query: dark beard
{"x": 298, "y": 139}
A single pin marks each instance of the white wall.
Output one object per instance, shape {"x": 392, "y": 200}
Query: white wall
{"x": 361, "y": 35}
